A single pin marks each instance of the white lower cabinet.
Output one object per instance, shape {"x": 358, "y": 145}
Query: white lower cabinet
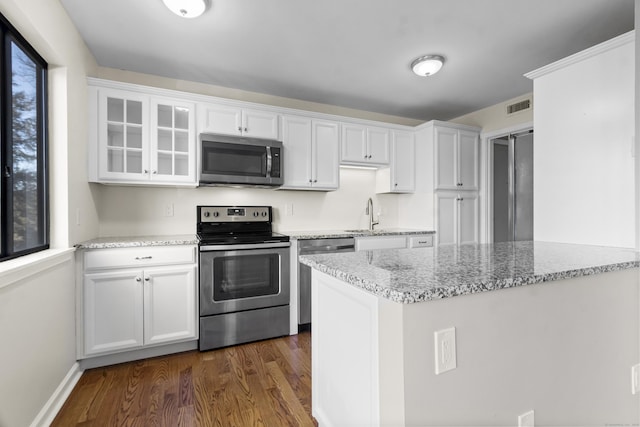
{"x": 401, "y": 241}
{"x": 457, "y": 218}
{"x": 128, "y": 308}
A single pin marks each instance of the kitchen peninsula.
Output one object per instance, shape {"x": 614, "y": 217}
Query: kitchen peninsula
{"x": 539, "y": 326}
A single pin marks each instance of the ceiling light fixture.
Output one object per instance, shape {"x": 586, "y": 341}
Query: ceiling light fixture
{"x": 186, "y": 8}
{"x": 427, "y": 65}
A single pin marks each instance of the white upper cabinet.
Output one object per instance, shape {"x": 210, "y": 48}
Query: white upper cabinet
{"x": 141, "y": 139}
{"x": 311, "y": 154}
{"x": 456, "y": 153}
{"x": 364, "y": 145}
{"x": 400, "y": 176}
{"x": 229, "y": 120}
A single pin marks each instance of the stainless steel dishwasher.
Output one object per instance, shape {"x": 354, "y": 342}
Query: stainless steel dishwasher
{"x": 312, "y": 247}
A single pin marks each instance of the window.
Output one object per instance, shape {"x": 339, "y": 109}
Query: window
{"x": 24, "y": 194}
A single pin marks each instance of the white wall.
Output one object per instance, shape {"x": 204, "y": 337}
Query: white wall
{"x": 495, "y": 117}
{"x": 140, "y": 211}
{"x": 583, "y": 165}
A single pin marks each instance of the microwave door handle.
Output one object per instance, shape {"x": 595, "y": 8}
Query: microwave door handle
{"x": 269, "y": 162}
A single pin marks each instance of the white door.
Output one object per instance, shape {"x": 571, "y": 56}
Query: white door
{"x": 113, "y": 311}
{"x": 447, "y": 219}
{"x": 403, "y": 162}
{"x": 326, "y": 155}
{"x": 173, "y": 141}
{"x": 446, "y": 170}
{"x": 378, "y": 145}
{"x": 353, "y": 143}
{"x": 123, "y": 140}
{"x": 260, "y": 124}
{"x": 169, "y": 304}
{"x": 468, "y": 160}
{"x": 296, "y": 139}
{"x": 468, "y": 219}
{"x": 221, "y": 119}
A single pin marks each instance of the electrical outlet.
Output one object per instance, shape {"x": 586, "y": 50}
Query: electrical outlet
{"x": 635, "y": 379}
{"x": 445, "y": 347}
{"x": 168, "y": 209}
{"x": 288, "y": 209}
{"x": 526, "y": 420}
{"x": 78, "y": 222}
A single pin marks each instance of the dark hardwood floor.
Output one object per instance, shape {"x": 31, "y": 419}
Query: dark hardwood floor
{"x": 266, "y": 383}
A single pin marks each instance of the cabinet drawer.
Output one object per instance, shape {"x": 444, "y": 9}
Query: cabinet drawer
{"x": 420, "y": 241}
{"x": 139, "y": 257}
{"x": 370, "y": 243}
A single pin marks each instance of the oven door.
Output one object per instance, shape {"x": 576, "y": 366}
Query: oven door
{"x": 243, "y": 277}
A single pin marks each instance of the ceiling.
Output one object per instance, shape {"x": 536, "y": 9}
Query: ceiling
{"x": 353, "y": 53}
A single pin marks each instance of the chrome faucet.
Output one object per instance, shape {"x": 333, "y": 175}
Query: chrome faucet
{"x": 369, "y": 212}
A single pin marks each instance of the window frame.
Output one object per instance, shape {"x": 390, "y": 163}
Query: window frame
{"x": 9, "y": 35}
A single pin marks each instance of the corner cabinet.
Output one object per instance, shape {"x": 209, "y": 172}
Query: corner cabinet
{"x": 134, "y": 298}
{"x": 141, "y": 139}
{"x": 230, "y": 120}
{"x": 364, "y": 145}
{"x": 312, "y": 156}
{"x": 400, "y": 176}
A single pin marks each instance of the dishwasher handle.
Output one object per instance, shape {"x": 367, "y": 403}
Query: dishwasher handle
{"x": 327, "y": 249}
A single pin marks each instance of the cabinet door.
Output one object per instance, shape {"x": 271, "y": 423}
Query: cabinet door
{"x": 354, "y": 144}
{"x": 403, "y": 175}
{"x": 446, "y": 147}
{"x": 446, "y": 221}
{"x": 123, "y": 140}
{"x": 378, "y": 146}
{"x": 260, "y": 124}
{"x": 468, "y": 219}
{"x": 169, "y": 304}
{"x": 173, "y": 141}
{"x": 468, "y": 160}
{"x": 113, "y": 311}
{"x": 326, "y": 155}
{"x": 221, "y": 119}
{"x": 296, "y": 138}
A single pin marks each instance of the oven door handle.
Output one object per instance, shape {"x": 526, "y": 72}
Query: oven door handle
{"x": 249, "y": 246}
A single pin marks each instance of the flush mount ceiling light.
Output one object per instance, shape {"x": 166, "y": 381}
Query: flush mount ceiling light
{"x": 427, "y": 65}
{"x": 186, "y": 8}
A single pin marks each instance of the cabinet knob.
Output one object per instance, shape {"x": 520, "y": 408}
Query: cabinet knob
{"x": 138, "y": 279}
{"x": 239, "y": 129}
{"x": 396, "y": 184}
{"x": 315, "y": 180}
{"x": 154, "y": 172}
{"x": 310, "y": 180}
{"x": 145, "y": 171}
{"x": 146, "y": 279}
{"x": 245, "y": 129}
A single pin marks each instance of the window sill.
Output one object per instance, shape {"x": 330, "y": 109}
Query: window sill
{"x": 19, "y": 269}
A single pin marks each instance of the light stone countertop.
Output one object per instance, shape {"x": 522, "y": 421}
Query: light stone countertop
{"x": 331, "y": 234}
{"x": 138, "y": 241}
{"x": 423, "y": 274}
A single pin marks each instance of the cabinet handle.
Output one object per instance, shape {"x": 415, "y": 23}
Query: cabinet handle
{"x": 396, "y": 184}
{"x": 138, "y": 279}
{"x": 315, "y": 180}
{"x": 245, "y": 129}
{"x": 239, "y": 129}
{"x": 146, "y": 279}
{"x": 145, "y": 171}
{"x": 310, "y": 181}
{"x": 143, "y": 257}
{"x": 154, "y": 172}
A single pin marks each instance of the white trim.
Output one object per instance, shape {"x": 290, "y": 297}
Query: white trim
{"x": 211, "y": 99}
{"x": 581, "y": 56}
{"x": 452, "y": 125}
{"x": 50, "y": 409}
{"x": 22, "y": 268}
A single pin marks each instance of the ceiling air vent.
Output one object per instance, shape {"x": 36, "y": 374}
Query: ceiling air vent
{"x": 518, "y": 106}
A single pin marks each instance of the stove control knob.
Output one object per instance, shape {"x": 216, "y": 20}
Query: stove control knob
{"x": 206, "y": 214}
{"x": 256, "y": 214}
{"x": 264, "y": 213}
{"x": 216, "y": 214}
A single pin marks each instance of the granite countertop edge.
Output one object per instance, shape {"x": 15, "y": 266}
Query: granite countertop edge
{"x": 444, "y": 291}
{"x": 333, "y": 234}
{"x": 138, "y": 241}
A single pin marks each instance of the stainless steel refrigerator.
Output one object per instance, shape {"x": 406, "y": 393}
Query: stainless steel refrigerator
{"x": 513, "y": 187}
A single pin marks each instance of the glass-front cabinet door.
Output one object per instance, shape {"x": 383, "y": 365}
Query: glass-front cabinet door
{"x": 172, "y": 141}
{"x": 123, "y": 140}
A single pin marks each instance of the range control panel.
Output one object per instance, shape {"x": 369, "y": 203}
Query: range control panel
{"x": 234, "y": 214}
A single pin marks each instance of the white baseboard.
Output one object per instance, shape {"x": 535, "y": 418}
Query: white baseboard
{"x": 49, "y": 411}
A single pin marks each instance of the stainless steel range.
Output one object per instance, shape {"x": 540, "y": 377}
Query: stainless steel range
{"x": 244, "y": 276}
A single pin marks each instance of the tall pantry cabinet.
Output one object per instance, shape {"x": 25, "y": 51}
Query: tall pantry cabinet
{"x": 456, "y": 178}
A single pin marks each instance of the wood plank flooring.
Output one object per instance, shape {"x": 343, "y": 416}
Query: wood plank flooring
{"x": 266, "y": 383}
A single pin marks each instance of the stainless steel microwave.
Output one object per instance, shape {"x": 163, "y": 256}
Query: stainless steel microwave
{"x": 233, "y": 160}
